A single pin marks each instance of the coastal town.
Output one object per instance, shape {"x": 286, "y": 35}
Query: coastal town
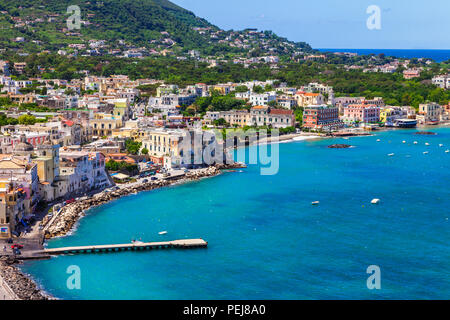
{"x": 144, "y": 96}
{"x": 58, "y": 144}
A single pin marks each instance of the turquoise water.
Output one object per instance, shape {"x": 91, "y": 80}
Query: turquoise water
{"x": 437, "y": 55}
{"x": 266, "y": 240}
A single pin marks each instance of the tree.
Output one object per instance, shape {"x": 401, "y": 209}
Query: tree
{"x": 258, "y": 89}
{"x": 144, "y": 151}
{"x": 241, "y": 88}
{"x": 191, "y": 110}
{"x": 220, "y": 122}
{"x": 27, "y": 119}
{"x": 132, "y": 146}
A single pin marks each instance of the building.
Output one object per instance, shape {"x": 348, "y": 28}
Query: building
{"x": 266, "y": 116}
{"x": 321, "y": 117}
{"x": 411, "y": 73}
{"x": 309, "y": 98}
{"x": 390, "y": 115}
{"x": 236, "y": 118}
{"x": 286, "y": 102}
{"x": 442, "y": 81}
{"x": 161, "y": 143}
{"x": 361, "y": 113}
{"x": 20, "y": 67}
{"x": 18, "y": 190}
{"x": 429, "y": 113}
{"x": 262, "y": 99}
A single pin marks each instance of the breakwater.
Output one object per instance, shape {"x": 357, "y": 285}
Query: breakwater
{"x": 17, "y": 284}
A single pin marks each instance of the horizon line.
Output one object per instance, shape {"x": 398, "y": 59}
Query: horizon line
{"x": 378, "y": 49}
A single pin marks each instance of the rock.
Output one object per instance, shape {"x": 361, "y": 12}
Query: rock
{"x": 426, "y": 133}
{"x": 339, "y": 146}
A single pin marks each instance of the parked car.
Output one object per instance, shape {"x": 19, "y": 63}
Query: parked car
{"x": 17, "y": 246}
{"x": 154, "y": 178}
{"x": 145, "y": 181}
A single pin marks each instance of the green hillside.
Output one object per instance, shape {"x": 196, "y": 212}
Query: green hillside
{"x": 137, "y": 21}
{"x": 154, "y": 24}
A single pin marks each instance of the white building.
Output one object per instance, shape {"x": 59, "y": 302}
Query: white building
{"x": 442, "y": 81}
{"x": 262, "y": 99}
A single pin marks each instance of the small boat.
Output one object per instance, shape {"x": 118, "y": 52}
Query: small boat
{"x": 378, "y": 140}
{"x": 403, "y": 141}
{"x": 162, "y": 233}
{"x": 447, "y": 151}
{"x": 415, "y": 142}
{"x": 426, "y": 152}
{"x": 315, "y": 203}
{"x": 391, "y": 154}
{"x": 427, "y": 144}
{"x": 375, "y": 201}
{"x": 441, "y": 145}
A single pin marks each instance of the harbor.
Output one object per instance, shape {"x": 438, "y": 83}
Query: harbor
{"x": 232, "y": 212}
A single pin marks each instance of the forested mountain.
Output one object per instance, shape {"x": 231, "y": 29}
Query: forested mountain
{"x": 36, "y": 25}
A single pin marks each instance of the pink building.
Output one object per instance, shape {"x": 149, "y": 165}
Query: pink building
{"x": 411, "y": 73}
{"x": 365, "y": 113}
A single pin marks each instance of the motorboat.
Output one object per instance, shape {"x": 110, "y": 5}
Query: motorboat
{"x": 391, "y": 154}
{"x": 375, "y": 201}
{"x": 315, "y": 203}
{"x": 162, "y": 233}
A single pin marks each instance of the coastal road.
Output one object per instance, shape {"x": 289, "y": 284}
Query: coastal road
{"x": 5, "y": 292}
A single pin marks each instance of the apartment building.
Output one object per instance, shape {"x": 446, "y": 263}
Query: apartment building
{"x": 321, "y": 117}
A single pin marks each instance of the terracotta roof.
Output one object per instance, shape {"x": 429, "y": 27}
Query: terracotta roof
{"x": 281, "y": 111}
{"x": 259, "y": 107}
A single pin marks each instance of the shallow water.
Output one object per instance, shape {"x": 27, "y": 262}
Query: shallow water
{"x": 266, "y": 240}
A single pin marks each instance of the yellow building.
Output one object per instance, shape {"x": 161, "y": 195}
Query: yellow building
{"x": 45, "y": 169}
{"x": 222, "y": 89}
{"x": 240, "y": 118}
{"x": 161, "y": 143}
{"x": 385, "y": 114}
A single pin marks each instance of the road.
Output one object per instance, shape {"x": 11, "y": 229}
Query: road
{"x": 5, "y": 291}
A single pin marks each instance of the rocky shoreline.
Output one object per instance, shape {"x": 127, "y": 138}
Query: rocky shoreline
{"x": 23, "y": 287}
{"x": 68, "y": 216}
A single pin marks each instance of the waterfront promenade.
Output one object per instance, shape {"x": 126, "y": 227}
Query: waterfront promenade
{"x": 6, "y": 293}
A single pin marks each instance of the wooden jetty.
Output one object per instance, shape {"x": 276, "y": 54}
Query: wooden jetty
{"x": 182, "y": 244}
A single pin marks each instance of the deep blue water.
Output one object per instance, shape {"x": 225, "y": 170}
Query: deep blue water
{"x": 266, "y": 240}
{"x": 437, "y": 55}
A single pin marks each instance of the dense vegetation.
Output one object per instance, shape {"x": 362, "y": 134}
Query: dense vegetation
{"x": 132, "y": 146}
{"x": 122, "y": 166}
{"x": 140, "y": 23}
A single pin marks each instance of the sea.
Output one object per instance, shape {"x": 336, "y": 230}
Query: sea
{"x": 436, "y": 54}
{"x": 265, "y": 238}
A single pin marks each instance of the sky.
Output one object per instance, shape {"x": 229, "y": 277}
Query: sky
{"x": 404, "y": 24}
